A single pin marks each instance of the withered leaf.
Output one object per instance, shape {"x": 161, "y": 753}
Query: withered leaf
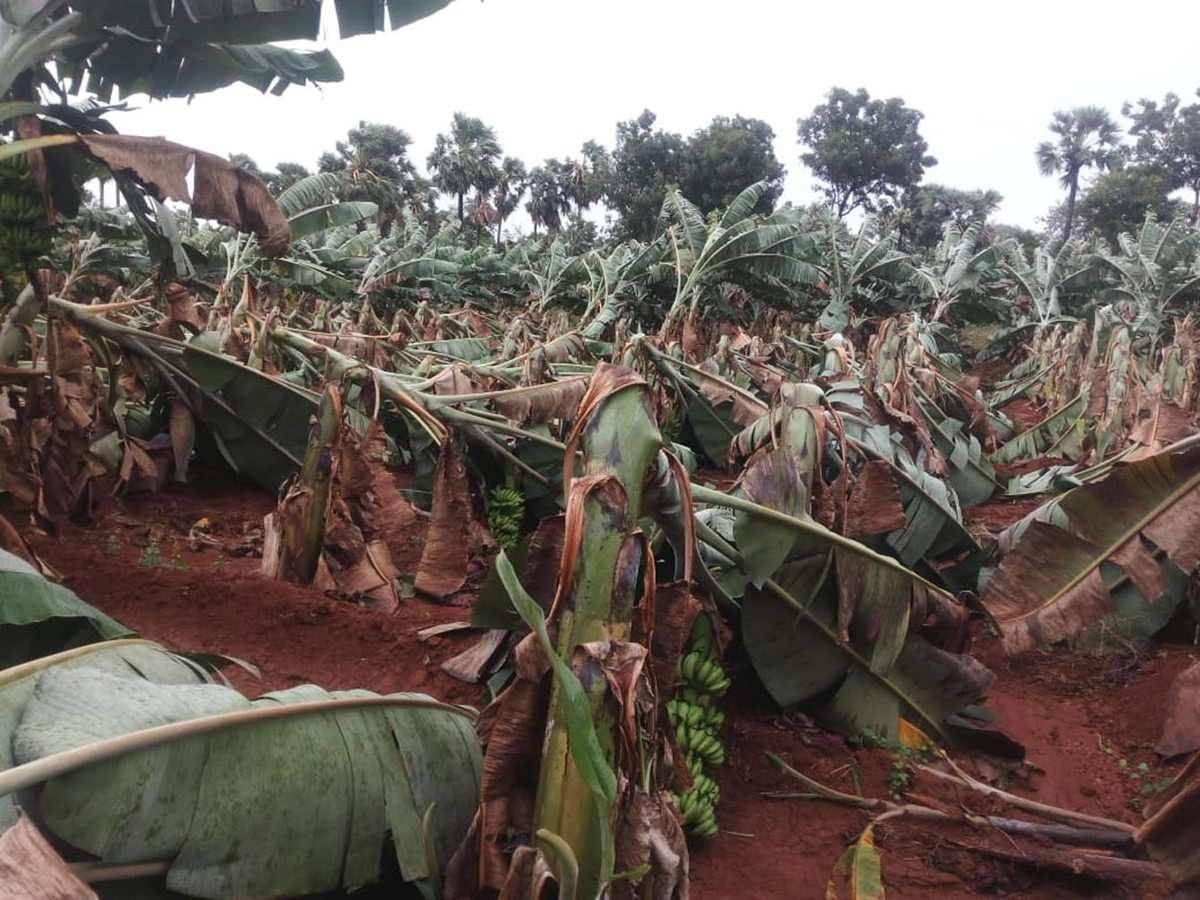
{"x": 223, "y": 191}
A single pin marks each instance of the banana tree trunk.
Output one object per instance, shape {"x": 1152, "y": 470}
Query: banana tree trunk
{"x": 302, "y": 511}
{"x": 619, "y": 440}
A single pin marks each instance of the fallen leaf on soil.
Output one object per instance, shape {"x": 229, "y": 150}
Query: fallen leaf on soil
{"x": 1181, "y": 719}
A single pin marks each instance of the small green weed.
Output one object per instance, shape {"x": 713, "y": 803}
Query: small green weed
{"x": 899, "y": 777}
{"x": 219, "y": 565}
{"x": 1141, "y": 778}
{"x": 151, "y": 556}
{"x": 112, "y": 543}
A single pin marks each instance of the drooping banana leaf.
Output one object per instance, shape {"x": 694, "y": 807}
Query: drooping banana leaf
{"x": 290, "y": 794}
{"x": 330, "y": 215}
{"x": 972, "y": 475}
{"x": 1052, "y": 480}
{"x": 823, "y": 613}
{"x": 933, "y": 517}
{"x": 260, "y": 423}
{"x": 1056, "y": 431}
{"x": 1124, "y": 530}
{"x": 38, "y": 616}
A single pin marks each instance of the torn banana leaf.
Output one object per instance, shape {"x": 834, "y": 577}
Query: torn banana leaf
{"x": 1058, "y": 433}
{"x": 260, "y": 423}
{"x": 931, "y": 508}
{"x": 1058, "y": 580}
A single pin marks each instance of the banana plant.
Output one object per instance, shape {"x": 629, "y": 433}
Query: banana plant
{"x": 739, "y": 244}
{"x": 961, "y": 272}
{"x": 1105, "y": 564}
{"x": 1157, "y": 272}
{"x": 865, "y": 267}
{"x": 593, "y": 723}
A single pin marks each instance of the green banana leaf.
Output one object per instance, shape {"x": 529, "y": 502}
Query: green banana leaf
{"x": 289, "y": 794}
{"x": 260, "y": 422}
{"x": 38, "y": 616}
{"x": 128, "y": 657}
{"x": 1054, "y": 432}
{"x": 330, "y": 215}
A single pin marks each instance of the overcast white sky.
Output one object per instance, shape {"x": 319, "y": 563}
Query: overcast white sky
{"x": 551, "y": 74}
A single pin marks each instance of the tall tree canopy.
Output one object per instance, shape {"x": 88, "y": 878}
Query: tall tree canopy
{"x": 645, "y": 163}
{"x": 466, "y": 159}
{"x": 863, "y": 150}
{"x": 1168, "y": 141}
{"x": 1086, "y": 137}
{"x": 510, "y": 187}
{"x": 549, "y": 200}
{"x": 1118, "y": 201}
{"x": 926, "y": 209}
{"x": 723, "y": 159}
{"x": 374, "y": 164}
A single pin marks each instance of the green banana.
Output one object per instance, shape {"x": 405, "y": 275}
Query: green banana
{"x": 506, "y": 514}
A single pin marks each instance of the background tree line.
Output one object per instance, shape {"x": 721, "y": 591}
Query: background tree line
{"x": 867, "y": 155}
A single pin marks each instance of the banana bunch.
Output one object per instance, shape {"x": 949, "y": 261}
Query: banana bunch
{"x": 24, "y": 234}
{"x": 506, "y": 512}
{"x": 697, "y": 723}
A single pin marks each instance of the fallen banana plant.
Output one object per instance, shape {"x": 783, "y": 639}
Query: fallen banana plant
{"x": 1112, "y": 555}
{"x": 1102, "y": 848}
{"x": 823, "y": 613}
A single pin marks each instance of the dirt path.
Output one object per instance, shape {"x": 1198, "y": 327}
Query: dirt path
{"x": 1077, "y": 717}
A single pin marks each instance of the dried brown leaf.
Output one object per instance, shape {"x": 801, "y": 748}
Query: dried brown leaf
{"x": 30, "y": 868}
{"x": 450, "y": 542}
{"x": 223, "y": 191}
{"x": 529, "y": 877}
{"x": 513, "y": 727}
{"x": 1181, "y": 716}
{"x": 376, "y": 502}
{"x": 542, "y": 402}
{"x": 649, "y": 834}
{"x": 874, "y": 505}
{"x": 1014, "y": 593}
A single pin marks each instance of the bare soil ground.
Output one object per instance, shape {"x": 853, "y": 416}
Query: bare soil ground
{"x": 1078, "y": 717}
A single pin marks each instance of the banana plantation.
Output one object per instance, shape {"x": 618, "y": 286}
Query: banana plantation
{"x": 763, "y": 557}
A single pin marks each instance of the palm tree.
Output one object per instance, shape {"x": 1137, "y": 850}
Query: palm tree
{"x": 1086, "y": 138}
{"x": 510, "y": 188}
{"x": 548, "y": 201}
{"x": 465, "y": 159}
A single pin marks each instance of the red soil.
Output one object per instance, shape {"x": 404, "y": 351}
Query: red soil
{"x": 1068, "y": 712}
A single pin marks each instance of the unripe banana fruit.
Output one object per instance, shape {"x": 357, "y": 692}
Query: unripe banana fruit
{"x": 696, "y": 722}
